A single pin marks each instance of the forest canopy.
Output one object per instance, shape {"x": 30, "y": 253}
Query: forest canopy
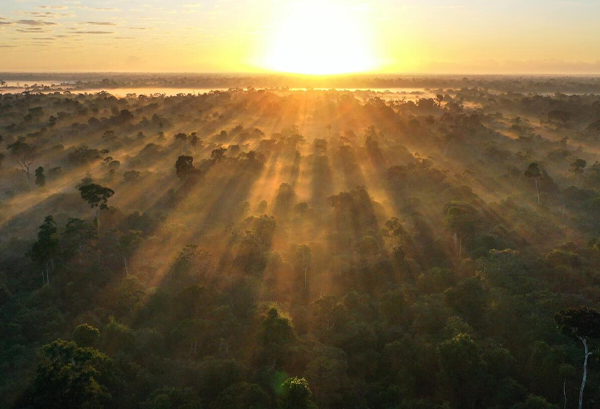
{"x": 270, "y": 248}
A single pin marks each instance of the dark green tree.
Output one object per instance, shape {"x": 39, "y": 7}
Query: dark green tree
{"x": 462, "y": 371}
{"x": 581, "y": 323}
{"x": 70, "y": 377}
{"x": 295, "y": 394}
{"x": 242, "y": 395}
{"x": 86, "y": 336}
{"x": 97, "y": 196}
{"x": 45, "y": 249}
{"x": 461, "y": 219}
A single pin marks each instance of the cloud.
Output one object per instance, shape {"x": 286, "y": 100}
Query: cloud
{"x": 31, "y": 30}
{"x": 36, "y": 23}
{"x": 93, "y": 32}
{"x": 7, "y": 46}
{"x": 43, "y": 14}
{"x": 5, "y": 23}
{"x": 139, "y": 28}
{"x": 100, "y": 23}
{"x": 53, "y": 7}
{"x": 99, "y": 8}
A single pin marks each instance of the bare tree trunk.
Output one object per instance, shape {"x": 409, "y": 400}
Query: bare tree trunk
{"x": 537, "y": 188}
{"x": 305, "y": 270}
{"x": 97, "y": 220}
{"x": 126, "y": 266}
{"x": 565, "y": 393}
{"x": 585, "y": 364}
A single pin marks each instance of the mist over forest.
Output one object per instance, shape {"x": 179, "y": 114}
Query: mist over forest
{"x": 263, "y": 247}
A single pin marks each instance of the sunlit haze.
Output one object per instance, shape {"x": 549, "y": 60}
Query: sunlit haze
{"x": 320, "y": 38}
{"x": 314, "y": 37}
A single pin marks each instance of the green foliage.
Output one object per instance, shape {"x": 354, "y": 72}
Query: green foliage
{"x": 405, "y": 270}
{"x": 86, "y": 336}
{"x": 68, "y": 376}
{"x": 462, "y": 371}
{"x": 296, "y": 394}
{"x": 579, "y": 322}
{"x": 242, "y": 395}
{"x": 47, "y": 244}
{"x": 96, "y": 195}
{"x": 535, "y": 402}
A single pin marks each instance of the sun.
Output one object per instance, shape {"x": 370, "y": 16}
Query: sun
{"x": 319, "y": 38}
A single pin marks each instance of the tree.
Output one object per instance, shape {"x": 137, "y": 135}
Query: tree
{"x": 242, "y": 395}
{"x": 24, "y": 155}
{"x": 194, "y": 140}
{"x": 577, "y": 168}
{"x": 534, "y": 402}
{"x": 462, "y": 370}
{"x": 533, "y": 171}
{"x": 302, "y": 260}
{"x": 217, "y": 155}
{"x": 461, "y": 219}
{"x": 76, "y": 236}
{"x": 97, "y": 196}
{"x": 40, "y": 178}
{"x": 128, "y": 243}
{"x": 581, "y": 323}
{"x": 439, "y": 98}
{"x": 46, "y": 247}
{"x": 70, "y": 377}
{"x": 86, "y": 336}
{"x": 184, "y": 165}
{"x": 295, "y": 394}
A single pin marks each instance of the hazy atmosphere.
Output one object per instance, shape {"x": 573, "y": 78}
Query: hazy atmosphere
{"x": 391, "y": 36}
{"x": 299, "y": 204}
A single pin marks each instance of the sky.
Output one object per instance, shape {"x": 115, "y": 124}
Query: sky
{"x": 235, "y": 36}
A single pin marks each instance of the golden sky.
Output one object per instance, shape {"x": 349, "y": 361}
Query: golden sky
{"x": 328, "y": 36}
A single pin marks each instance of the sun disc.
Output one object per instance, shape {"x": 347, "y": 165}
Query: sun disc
{"x": 319, "y": 39}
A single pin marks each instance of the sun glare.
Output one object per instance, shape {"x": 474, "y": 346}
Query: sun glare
{"x": 319, "y": 38}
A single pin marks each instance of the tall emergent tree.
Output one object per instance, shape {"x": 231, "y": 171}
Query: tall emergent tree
{"x": 533, "y": 171}
{"x": 24, "y": 155}
{"x": 577, "y": 168}
{"x": 97, "y": 196}
{"x": 46, "y": 247}
{"x": 581, "y": 323}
